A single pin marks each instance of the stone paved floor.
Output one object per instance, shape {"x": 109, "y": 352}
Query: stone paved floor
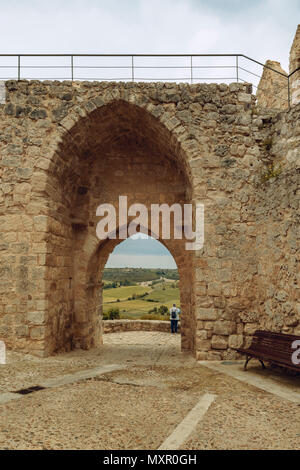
{"x": 138, "y": 407}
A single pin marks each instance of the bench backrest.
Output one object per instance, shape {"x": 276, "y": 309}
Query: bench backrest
{"x": 276, "y": 345}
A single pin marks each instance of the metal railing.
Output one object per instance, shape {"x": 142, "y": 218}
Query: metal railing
{"x": 187, "y": 68}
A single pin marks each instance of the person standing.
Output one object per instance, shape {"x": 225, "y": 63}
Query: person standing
{"x": 174, "y": 317}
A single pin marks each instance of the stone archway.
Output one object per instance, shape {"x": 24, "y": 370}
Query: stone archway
{"x": 118, "y": 149}
{"x": 94, "y": 274}
{"x": 85, "y": 143}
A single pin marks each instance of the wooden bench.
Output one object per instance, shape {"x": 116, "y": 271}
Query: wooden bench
{"x": 274, "y": 348}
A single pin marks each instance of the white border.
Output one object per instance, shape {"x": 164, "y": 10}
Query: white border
{"x": 2, "y": 92}
{"x": 2, "y": 353}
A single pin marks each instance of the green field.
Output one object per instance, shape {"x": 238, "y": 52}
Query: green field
{"x": 122, "y": 293}
{"x": 133, "y": 308}
{"x": 161, "y": 292}
{"x": 137, "y": 308}
{"x": 166, "y": 296}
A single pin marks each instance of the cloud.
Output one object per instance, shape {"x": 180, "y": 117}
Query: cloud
{"x": 134, "y": 261}
{"x": 260, "y": 28}
{"x": 138, "y": 251}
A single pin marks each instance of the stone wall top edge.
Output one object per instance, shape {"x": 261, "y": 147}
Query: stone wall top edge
{"x": 125, "y": 320}
{"x": 234, "y": 86}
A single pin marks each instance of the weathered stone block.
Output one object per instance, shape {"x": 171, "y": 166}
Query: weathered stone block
{"x": 201, "y": 356}
{"x": 248, "y": 317}
{"x": 244, "y": 97}
{"x": 235, "y": 341}
{"x": 250, "y": 328}
{"x": 203, "y": 344}
{"x": 206, "y": 314}
{"x": 224, "y": 327}
{"x": 41, "y": 223}
{"x": 214, "y": 356}
{"x": 201, "y": 334}
{"x": 22, "y": 331}
{"x": 214, "y": 289}
{"x": 36, "y": 318}
{"x": 219, "y": 342}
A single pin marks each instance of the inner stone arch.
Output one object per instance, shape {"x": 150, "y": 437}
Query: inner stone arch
{"x": 117, "y": 149}
{"x": 183, "y": 260}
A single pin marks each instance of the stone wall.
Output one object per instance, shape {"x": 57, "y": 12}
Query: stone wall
{"x": 272, "y": 91}
{"x": 294, "y": 65}
{"x": 117, "y": 326}
{"x": 277, "y": 214}
{"x": 67, "y": 147}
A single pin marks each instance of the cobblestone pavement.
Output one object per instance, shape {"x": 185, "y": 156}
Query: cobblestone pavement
{"x": 139, "y": 406}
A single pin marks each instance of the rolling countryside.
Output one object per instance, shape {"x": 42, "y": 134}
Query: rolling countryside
{"x": 150, "y": 290}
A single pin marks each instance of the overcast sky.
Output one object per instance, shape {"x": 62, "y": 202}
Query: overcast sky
{"x": 261, "y": 29}
{"x": 141, "y": 251}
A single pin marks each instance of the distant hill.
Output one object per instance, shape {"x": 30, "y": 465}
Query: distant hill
{"x": 138, "y": 274}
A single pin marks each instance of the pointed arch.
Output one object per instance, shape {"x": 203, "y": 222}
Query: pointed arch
{"x": 108, "y": 148}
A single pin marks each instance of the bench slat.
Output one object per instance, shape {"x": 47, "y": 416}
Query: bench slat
{"x": 272, "y": 347}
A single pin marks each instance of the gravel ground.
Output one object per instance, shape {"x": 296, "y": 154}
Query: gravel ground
{"x": 138, "y": 407}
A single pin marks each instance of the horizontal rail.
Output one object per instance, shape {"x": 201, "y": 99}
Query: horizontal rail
{"x": 152, "y": 55}
{"x": 121, "y": 67}
{"x": 193, "y": 69}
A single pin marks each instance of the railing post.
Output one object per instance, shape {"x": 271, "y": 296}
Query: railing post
{"x": 72, "y": 69}
{"x": 237, "y": 68}
{"x": 191, "y": 69}
{"x": 132, "y": 68}
{"x": 289, "y": 93}
{"x": 19, "y": 67}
